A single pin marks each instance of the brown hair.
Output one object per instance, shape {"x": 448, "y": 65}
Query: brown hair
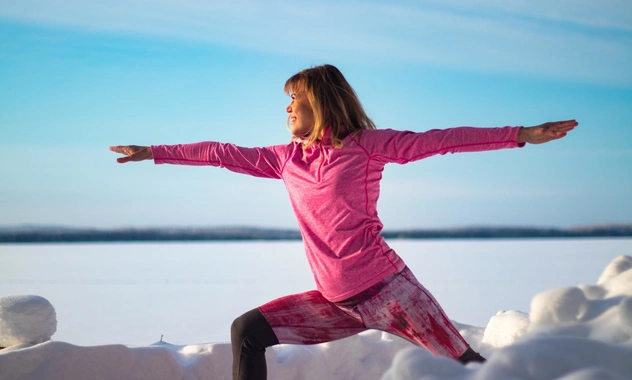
{"x": 333, "y": 101}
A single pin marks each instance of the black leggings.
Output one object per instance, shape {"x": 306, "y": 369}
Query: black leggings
{"x": 251, "y": 334}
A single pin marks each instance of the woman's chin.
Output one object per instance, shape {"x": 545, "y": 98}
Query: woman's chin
{"x": 299, "y": 134}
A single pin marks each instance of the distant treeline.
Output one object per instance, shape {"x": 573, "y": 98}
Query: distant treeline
{"x": 70, "y": 235}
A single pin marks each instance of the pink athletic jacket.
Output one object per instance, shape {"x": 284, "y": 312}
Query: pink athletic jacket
{"x": 334, "y": 191}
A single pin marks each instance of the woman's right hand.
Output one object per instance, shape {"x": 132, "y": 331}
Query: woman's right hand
{"x": 546, "y": 132}
{"x": 132, "y": 153}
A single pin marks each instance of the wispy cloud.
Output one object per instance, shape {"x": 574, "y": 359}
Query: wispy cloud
{"x": 605, "y": 14}
{"x": 581, "y": 40}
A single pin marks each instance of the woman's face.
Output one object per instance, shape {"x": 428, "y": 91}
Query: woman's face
{"x": 300, "y": 115}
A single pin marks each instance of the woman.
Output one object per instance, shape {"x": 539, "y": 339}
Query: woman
{"x": 331, "y": 169}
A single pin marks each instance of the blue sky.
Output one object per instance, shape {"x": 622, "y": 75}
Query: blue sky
{"x": 76, "y": 77}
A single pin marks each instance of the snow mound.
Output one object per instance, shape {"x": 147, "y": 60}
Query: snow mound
{"x": 602, "y": 311}
{"x": 26, "y": 320}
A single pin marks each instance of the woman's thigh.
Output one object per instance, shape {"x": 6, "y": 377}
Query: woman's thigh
{"x": 309, "y": 318}
{"x": 405, "y": 308}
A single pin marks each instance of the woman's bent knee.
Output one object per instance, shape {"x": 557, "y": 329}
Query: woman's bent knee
{"x": 253, "y": 330}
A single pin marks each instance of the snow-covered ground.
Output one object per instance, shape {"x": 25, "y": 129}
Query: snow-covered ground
{"x": 571, "y": 331}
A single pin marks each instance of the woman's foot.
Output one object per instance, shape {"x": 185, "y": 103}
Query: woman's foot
{"x": 471, "y": 356}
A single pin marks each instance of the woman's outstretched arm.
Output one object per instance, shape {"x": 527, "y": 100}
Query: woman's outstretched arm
{"x": 406, "y": 146}
{"x": 546, "y": 132}
{"x": 264, "y": 162}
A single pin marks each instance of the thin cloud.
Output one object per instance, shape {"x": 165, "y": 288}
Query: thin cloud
{"x": 554, "y": 39}
{"x": 606, "y": 14}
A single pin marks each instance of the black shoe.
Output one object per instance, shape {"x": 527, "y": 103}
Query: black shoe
{"x": 471, "y": 356}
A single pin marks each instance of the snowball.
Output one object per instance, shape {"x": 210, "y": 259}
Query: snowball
{"x": 616, "y": 267}
{"x": 625, "y": 315}
{"x": 558, "y": 306}
{"x": 26, "y": 319}
{"x": 505, "y": 327}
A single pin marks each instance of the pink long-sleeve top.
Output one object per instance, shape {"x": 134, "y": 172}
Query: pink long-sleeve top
{"x": 334, "y": 191}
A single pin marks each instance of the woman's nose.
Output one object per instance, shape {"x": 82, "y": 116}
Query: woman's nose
{"x": 288, "y": 109}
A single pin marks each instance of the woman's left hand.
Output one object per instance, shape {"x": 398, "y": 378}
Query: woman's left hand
{"x": 546, "y": 132}
{"x": 132, "y": 153}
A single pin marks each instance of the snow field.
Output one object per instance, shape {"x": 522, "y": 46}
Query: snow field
{"x": 572, "y": 333}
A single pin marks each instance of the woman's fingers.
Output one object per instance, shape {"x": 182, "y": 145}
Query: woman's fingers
{"x": 549, "y": 131}
{"x": 565, "y": 125}
{"x": 561, "y": 127}
{"x": 125, "y": 149}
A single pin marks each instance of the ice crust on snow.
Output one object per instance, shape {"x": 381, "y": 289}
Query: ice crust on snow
{"x": 571, "y": 333}
{"x": 26, "y": 319}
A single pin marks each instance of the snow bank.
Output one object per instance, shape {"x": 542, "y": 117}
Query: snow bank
{"x": 58, "y": 360}
{"x": 26, "y": 319}
{"x": 364, "y": 356}
{"x": 572, "y": 333}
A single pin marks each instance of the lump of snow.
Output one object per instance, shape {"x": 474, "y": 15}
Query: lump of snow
{"x": 593, "y": 292}
{"x": 616, "y": 267}
{"x": 558, "y": 306}
{"x": 603, "y": 312}
{"x": 505, "y": 327}
{"x": 26, "y": 319}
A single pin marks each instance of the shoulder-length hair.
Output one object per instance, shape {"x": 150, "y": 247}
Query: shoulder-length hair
{"x": 333, "y": 101}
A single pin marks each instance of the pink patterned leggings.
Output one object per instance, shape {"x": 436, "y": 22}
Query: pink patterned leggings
{"x": 399, "y": 305}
